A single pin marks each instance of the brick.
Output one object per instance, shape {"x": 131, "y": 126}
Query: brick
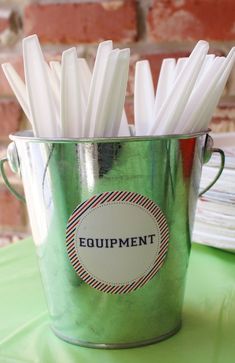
{"x": 10, "y": 25}
{"x": 135, "y": 57}
{"x": 82, "y": 22}
{"x": 222, "y": 125}
{"x": 4, "y": 19}
{"x": 176, "y": 20}
{"x": 223, "y": 119}
{"x": 14, "y": 178}
{"x": 12, "y": 211}
{"x": 10, "y": 117}
{"x": 129, "y": 108}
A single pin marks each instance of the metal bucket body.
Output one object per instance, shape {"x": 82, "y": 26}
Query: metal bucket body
{"x": 58, "y": 175}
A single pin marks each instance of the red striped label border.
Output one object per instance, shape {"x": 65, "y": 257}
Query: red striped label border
{"x": 110, "y": 197}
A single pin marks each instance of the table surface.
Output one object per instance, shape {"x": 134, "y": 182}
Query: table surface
{"x": 207, "y": 334}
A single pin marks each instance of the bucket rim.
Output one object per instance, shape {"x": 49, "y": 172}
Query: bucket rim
{"x": 27, "y": 136}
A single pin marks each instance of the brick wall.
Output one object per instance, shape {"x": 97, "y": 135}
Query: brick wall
{"x": 154, "y": 29}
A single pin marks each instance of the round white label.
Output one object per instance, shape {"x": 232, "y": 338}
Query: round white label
{"x": 117, "y": 241}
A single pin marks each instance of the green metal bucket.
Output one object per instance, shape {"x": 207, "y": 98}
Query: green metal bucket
{"x": 112, "y": 220}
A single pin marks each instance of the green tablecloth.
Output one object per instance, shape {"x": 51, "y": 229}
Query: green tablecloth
{"x": 207, "y": 335}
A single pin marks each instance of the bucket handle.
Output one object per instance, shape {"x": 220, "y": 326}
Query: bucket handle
{"x": 209, "y": 150}
{"x": 13, "y": 160}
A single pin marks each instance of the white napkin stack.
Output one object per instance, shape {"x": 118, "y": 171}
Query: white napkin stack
{"x": 215, "y": 215}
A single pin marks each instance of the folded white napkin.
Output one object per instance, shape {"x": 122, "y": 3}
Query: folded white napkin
{"x": 215, "y": 215}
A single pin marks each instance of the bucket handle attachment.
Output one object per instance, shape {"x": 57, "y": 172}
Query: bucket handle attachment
{"x": 13, "y": 160}
{"x": 208, "y": 151}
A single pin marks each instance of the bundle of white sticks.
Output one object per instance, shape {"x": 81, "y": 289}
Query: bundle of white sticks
{"x": 68, "y": 100}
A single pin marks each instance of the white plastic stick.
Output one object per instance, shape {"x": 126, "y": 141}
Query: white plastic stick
{"x": 180, "y": 65}
{"x": 124, "y": 129}
{"x": 208, "y": 61}
{"x": 84, "y": 79}
{"x": 143, "y": 97}
{"x": 165, "y": 83}
{"x": 94, "y": 99}
{"x": 199, "y": 96}
{"x": 18, "y": 88}
{"x": 85, "y": 73}
{"x": 173, "y": 106}
{"x": 55, "y": 88}
{"x": 116, "y": 99}
{"x": 39, "y": 94}
{"x": 56, "y": 68}
{"x": 213, "y": 97}
{"x": 72, "y": 114}
{"x": 107, "y": 87}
